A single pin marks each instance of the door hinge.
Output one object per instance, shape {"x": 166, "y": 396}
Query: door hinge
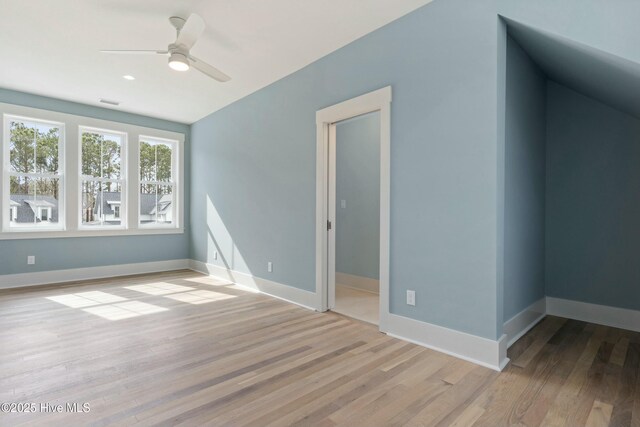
{"x": 328, "y": 225}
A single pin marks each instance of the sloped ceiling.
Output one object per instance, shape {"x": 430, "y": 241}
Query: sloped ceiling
{"x": 52, "y": 47}
{"x": 608, "y": 78}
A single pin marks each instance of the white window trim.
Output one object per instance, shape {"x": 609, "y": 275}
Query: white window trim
{"x": 70, "y": 184}
{"x": 123, "y": 181}
{"x": 175, "y": 158}
{"x": 5, "y": 195}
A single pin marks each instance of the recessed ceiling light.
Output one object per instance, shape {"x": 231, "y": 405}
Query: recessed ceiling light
{"x": 128, "y": 77}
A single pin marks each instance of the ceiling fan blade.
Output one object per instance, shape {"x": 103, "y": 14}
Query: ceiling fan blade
{"x": 209, "y": 70}
{"x": 133, "y": 52}
{"x": 190, "y": 32}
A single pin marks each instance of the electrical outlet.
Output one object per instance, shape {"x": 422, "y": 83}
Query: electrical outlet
{"x": 411, "y": 297}
{"x": 31, "y": 260}
{"x": 215, "y": 255}
{"x": 270, "y": 267}
{"x": 343, "y": 204}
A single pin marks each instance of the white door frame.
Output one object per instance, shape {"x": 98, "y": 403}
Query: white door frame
{"x": 378, "y": 100}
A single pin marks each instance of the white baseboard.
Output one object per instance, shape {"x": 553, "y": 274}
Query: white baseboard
{"x": 594, "y": 313}
{"x": 9, "y": 281}
{"x": 358, "y": 282}
{"x": 522, "y": 322}
{"x": 481, "y": 351}
{"x": 278, "y": 290}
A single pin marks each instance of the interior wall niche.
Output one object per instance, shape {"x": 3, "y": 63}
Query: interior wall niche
{"x": 572, "y": 181}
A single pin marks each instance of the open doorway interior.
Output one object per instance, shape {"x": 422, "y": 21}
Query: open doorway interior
{"x": 357, "y": 217}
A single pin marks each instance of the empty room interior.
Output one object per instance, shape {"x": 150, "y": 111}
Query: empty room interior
{"x": 338, "y": 213}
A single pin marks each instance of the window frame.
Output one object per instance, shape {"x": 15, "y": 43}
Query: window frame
{"x": 5, "y": 200}
{"x": 173, "y": 183}
{"x": 124, "y": 173}
{"x": 70, "y": 164}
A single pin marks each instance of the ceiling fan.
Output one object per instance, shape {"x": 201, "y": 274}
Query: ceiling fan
{"x": 188, "y": 31}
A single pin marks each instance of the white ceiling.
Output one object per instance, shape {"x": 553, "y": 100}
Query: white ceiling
{"x": 52, "y": 47}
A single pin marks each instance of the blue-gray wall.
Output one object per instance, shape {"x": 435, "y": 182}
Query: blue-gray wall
{"x": 64, "y": 253}
{"x": 253, "y": 165}
{"x": 593, "y": 201}
{"x": 358, "y": 184}
{"x": 524, "y": 218}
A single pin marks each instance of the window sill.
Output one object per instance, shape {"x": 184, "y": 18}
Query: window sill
{"x": 19, "y": 235}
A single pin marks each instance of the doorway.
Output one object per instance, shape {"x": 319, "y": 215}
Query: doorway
{"x": 354, "y": 203}
{"x": 352, "y": 273}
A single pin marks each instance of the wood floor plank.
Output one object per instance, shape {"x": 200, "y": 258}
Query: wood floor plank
{"x": 469, "y": 416}
{"x": 547, "y": 332}
{"x": 587, "y": 395}
{"x": 243, "y": 359}
{"x": 629, "y": 378}
{"x": 549, "y": 383}
{"x": 458, "y": 395}
{"x": 417, "y": 379}
{"x": 635, "y": 418}
{"x": 567, "y": 397}
{"x": 599, "y": 415}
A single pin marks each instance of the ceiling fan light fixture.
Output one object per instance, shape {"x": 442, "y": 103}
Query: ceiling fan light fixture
{"x": 187, "y": 33}
{"x": 178, "y": 62}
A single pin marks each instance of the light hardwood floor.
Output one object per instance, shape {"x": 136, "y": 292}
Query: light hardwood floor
{"x": 361, "y": 305}
{"x": 184, "y": 349}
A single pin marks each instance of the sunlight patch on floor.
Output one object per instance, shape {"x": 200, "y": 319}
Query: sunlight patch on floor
{"x": 124, "y": 310}
{"x": 114, "y": 307}
{"x": 86, "y": 299}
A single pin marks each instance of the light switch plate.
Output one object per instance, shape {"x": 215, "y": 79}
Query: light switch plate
{"x": 411, "y": 297}
{"x": 31, "y": 259}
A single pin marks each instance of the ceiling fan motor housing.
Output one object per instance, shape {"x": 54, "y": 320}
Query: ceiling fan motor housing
{"x": 178, "y": 58}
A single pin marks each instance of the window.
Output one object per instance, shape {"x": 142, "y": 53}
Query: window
{"x": 34, "y": 149}
{"x": 157, "y": 183}
{"x": 64, "y": 175}
{"x": 44, "y": 214}
{"x": 102, "y": 176}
